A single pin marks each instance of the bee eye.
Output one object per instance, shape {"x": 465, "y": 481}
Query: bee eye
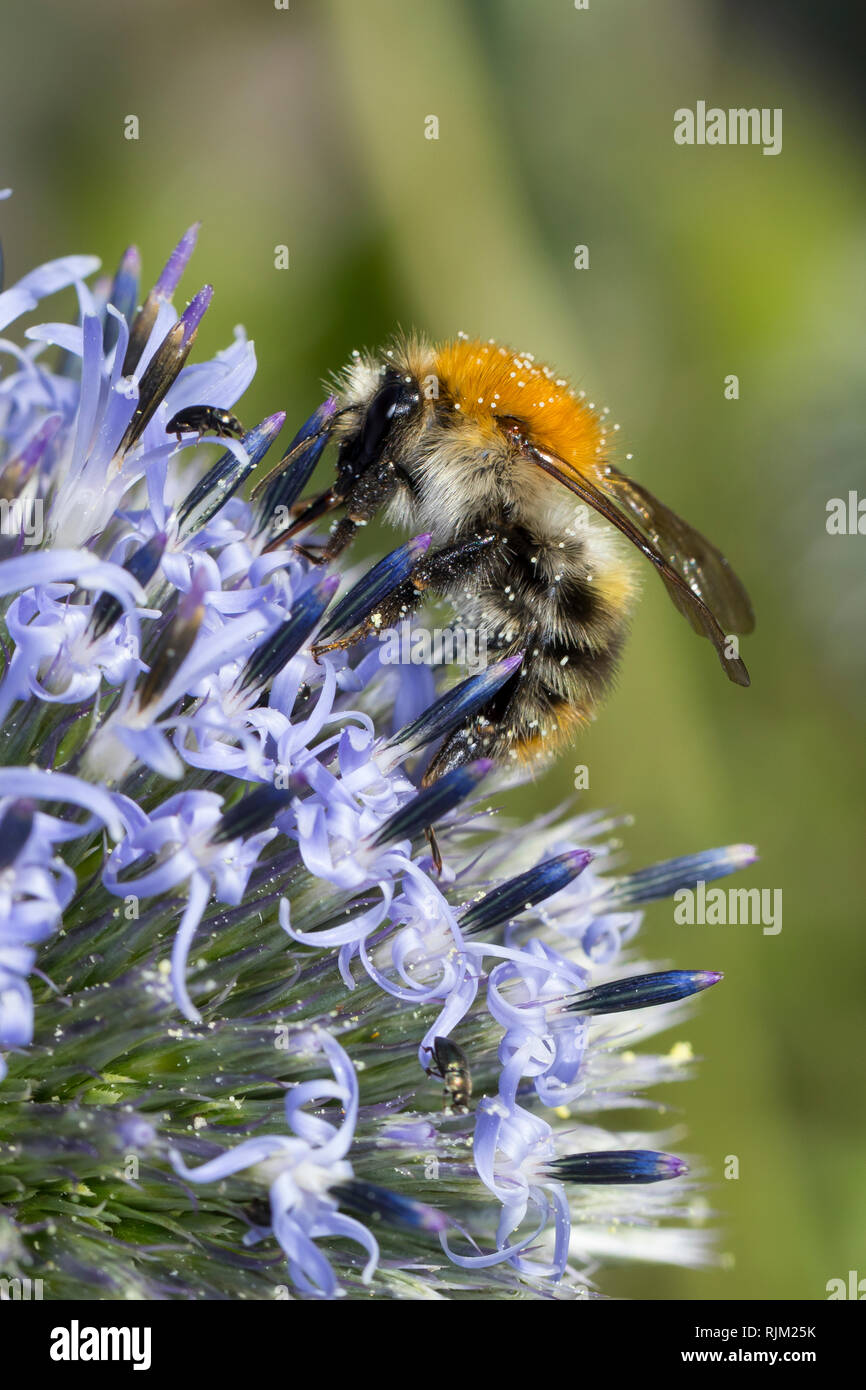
{"x": 394, "y": 400}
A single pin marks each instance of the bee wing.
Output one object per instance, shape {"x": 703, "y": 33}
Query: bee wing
{"x": 695, "y": 575}
{"x": 703, "y": 567}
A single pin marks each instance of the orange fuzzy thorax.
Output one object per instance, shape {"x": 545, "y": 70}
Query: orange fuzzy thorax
{"x": 487, "y": 379}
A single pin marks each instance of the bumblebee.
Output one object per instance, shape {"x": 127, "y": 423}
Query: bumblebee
{"x": 204, "y": 419}
{"x": 451, "y": 1066}
{"x": 510, "y": 470}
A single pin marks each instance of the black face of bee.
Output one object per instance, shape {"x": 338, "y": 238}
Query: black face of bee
{"x": 451, "y": 1065}
{"x": 204, "y": 419}
{"x": 396, "y": 401}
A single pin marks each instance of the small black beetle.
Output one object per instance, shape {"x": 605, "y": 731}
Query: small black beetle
{"x": 203, "y": 419}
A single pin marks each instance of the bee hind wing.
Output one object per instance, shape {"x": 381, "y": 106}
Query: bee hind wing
{"x": 703, "y": 567}
{"x": 678, "y": 574}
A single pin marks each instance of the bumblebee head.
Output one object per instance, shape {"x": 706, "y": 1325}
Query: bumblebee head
{"x": 377, "y": 423}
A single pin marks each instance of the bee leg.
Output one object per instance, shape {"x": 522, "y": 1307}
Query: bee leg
{"x": 435, "y": 851}
{"x": 472, "y": 740}
{"x": 399, "y": 603}
{"x": 310, "y": 511}
{"x": 298, "y": 508}
{"x": 314, "y": 557}
{"x": 438, "y": 573}
{"x": 362, "y": 499}
{"x": 342, "y": 536}
{"x": 365, "y": 498}
{"x": 477, "y": 737}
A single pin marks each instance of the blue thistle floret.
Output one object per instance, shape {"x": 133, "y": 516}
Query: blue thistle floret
{"x": 224, "y": 956}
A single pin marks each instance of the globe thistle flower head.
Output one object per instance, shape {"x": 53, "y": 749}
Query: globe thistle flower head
{"x": 254, "y": 1045}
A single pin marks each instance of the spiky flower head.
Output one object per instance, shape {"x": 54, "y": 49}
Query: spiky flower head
{"x": 253, "y": 1045}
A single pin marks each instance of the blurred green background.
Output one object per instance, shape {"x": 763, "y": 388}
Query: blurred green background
{"x": 305, "y": 127}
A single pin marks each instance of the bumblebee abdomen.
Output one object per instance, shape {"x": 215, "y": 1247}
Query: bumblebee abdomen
{"x": 557, "y": 599}
{"x": 556, "y": 693}
{"x": 568, "y": 617}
